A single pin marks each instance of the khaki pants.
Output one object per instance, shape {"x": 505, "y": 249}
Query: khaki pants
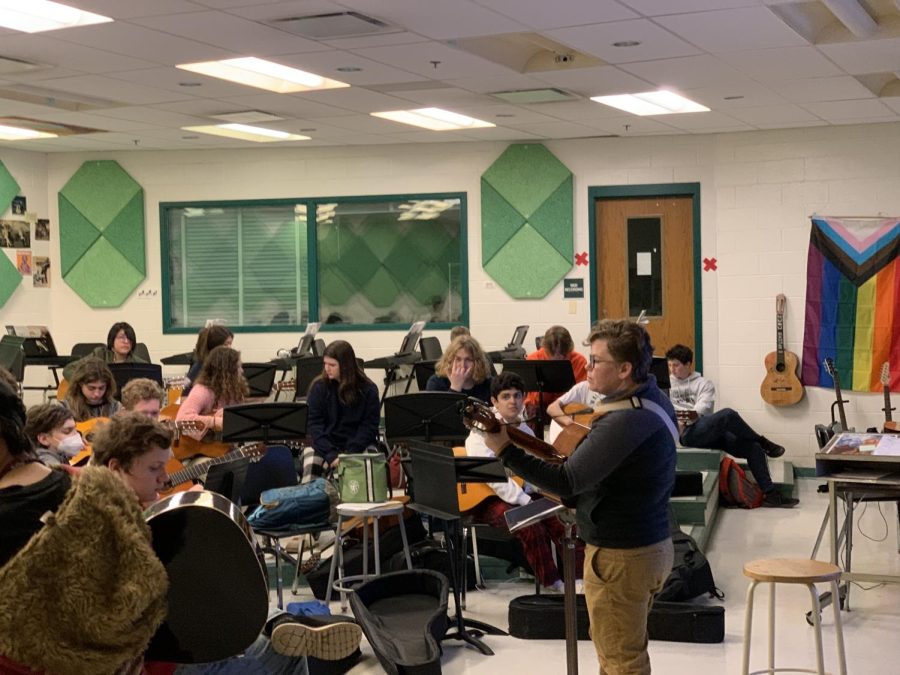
{"x": 619, "y": 584}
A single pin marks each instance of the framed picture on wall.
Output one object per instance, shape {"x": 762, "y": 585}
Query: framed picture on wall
{"x": 41, "y": 274}
{"x": 42, "y": 230}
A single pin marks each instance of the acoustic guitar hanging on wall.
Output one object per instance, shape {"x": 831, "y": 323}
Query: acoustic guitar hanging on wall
{"x": 781, "y": 385}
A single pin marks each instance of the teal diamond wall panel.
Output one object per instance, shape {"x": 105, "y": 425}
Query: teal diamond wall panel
{"x": 527, "y": 212}
{"x": 10, "y": 278}
{"x": 9, "y": 188}
{"x": 101, "y": 233}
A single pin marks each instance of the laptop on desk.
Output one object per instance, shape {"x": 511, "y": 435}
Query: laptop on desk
{"x": 38, "y": 342}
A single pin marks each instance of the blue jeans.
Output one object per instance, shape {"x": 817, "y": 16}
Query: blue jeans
{"x": 726, "y": 430}
{"x": 259, "y": 659}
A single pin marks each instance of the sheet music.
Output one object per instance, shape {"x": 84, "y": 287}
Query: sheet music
{"x": 531, "y": 513}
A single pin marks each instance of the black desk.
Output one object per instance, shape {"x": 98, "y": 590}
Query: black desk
{"x": 54, "y": 363}
{"x": 185, "y": 359}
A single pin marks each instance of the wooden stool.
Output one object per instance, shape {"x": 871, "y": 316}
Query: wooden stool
{"x": 793, "y": 571}
{"x": 364, "y": 512}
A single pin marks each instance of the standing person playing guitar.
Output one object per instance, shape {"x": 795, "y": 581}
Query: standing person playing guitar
{"x": 694, "y": 398}
{"x": 507, "y": 397}
{"x": 621, "y": 475}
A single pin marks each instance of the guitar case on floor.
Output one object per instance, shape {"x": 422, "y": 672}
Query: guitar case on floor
{"x": 404, "y": 617}
{"x": 542, "y": 617}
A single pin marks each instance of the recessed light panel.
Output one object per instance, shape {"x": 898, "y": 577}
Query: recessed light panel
{"x": 263, "y": 74}
{"x": 245, "y": 132}
{"x": 651, "y": 103}
{"x": 434, "y": 119}
{"x": 19, "y": 134}
{"x": 34, "y": 16}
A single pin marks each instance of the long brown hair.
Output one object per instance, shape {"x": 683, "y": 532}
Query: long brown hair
{"x": 209, "y": 338}
{"x": 87, "y": 370}
{"x": 482, "y": 369}
{"x": 220, "y": 373}
{"x": 352, "y": 379}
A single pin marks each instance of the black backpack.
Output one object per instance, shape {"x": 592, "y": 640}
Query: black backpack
{"x": 691, "y": 574}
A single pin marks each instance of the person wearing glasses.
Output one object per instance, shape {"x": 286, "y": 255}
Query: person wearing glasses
{"x": 621, "y": 477}
{"x": 120, "y": 343}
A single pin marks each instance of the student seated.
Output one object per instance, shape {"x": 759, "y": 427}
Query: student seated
{"x": 344, "y": 411}
{"x": 120, "y": 342}
{"x": 28, "y": 488}
{"x": 556, "y": 345}
{"x": 143, "y": 395}
{"x": 221, "y": 383}
{"x": 208, "y": 339}
{"x": 463, "y": 368}
{"x": 51, "y": 429}
{"x": 92, "y": 390}
{"x": 723, "y": 430}
{"x": 507, "y": 397}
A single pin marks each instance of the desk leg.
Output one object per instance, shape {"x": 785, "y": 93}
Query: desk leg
{"x": 832, "y": 514}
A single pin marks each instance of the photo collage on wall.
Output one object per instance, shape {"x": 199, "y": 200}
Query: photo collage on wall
{"x": 31, "y": 249}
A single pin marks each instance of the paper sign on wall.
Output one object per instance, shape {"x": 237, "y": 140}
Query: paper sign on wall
{"x": 644, "y": 264}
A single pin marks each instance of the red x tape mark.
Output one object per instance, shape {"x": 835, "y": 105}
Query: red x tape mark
{"x": 709, "y": 264}
{"x": 581, "y": 258}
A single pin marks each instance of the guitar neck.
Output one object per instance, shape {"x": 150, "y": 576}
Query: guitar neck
{"x": 840, "y": 401}
{"x": 887, "y": 403}
{"x": 194, "y": 472}
{"x": 779, "y": 342}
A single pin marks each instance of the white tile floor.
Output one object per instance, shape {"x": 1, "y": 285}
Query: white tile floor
{"x": 870, "y": 629}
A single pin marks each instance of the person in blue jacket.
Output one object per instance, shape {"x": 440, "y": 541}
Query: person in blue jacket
{"x": 344, "y": 411}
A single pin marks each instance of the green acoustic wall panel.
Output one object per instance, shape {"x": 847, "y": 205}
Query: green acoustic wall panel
{"x": 10, "y": 278}
{"x": 9, "y": 188}
{"x": 526, "y": 221}
{"x": 381, "y": 289}
{"x": 101, "y": 233}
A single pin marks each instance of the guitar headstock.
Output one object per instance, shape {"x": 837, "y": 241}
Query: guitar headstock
{"x": 886, "y": 373}
{"x": 829, "y": 365}
{"x": 286, "y": 385}
{"x": 780, "y": 301}
{"x": 686, "y": 416}
{"x": 478, "y": 415}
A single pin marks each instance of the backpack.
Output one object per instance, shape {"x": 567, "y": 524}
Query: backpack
{"x": 286, "y": 508}
{"x": 735, "y": 489}
{"x": 691, "y": 574}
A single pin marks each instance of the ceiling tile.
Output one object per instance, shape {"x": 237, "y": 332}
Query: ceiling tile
{"x": 232, "y": 33}
{"x": 598, "y": 39}
{"x": 489, "y": 84}
{"x": 774, "y": 114}
{"x": 110, "y": 89}
{"x": 171, "y": 79}
{"x": 730, "y": 30}
{"x": 356, "y": 99}
{"x": 541, "y": 15}
{"x": 599, "y": 81}
{"x": 846, "y": 111}
{"x": 893, "y": 103}
{"x": 46, "y": 48}
{"x": 721, "y": 96}
{"x": 661, "y": 7}
{"x": 630, "y": 125}
{"x": 578, "y": 111}
{"x": 499, "y": 114}
{"x": 707, "y": 122}
{"x": 365, "y": 124}
{"x": 782, "y": 63}
{"x": 822, "y": 89}
{"x": 380, "y": 40}
{"x": 557, "y": 129}
{"x": 418, "y": 58}
{"x": 326, "y": 63}
{"x": 859, "y": 58}
{"x": 129, "y": 9}
{"x": 153, "y": 116}
{"x": 686, "y": 73}
{"x": 444, "y": 97}
{"x": 288, "y": 105}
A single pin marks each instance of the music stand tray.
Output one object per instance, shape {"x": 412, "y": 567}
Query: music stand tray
{"x": 264, "y": 422}
{"x": 260, "y": 378}
{"x": 555, "y": 376}
{"x": 123, "y": 373}
{"x": 426, "y": 415}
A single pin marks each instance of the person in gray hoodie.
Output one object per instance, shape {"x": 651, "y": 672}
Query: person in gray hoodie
{"x": 724, "y": 429}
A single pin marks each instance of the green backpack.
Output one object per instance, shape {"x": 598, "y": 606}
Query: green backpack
{"x": 363, "y": 477}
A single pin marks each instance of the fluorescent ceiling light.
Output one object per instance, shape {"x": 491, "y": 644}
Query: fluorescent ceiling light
{"x": 434, "y": 119}
{"x": 34, "y": 16}
{"x": 263, "y": 74}
{"x": 245, "y": 132}
{"x": 651, "y": 103}
{"x": 19, "y": 134}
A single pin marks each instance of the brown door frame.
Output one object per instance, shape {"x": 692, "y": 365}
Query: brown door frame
{"x": 691, "y": 190}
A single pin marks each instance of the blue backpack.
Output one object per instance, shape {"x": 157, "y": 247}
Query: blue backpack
{"x": 287, "y": 508}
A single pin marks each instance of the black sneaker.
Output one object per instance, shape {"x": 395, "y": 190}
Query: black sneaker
{"x": 770, "y": 448}
{"x": 775, "y": 500}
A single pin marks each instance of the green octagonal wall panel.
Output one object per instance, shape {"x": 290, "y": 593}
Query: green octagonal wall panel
{"x": 10, "y": 278}
{"x": 526, "y": 221}
{"x": 101, "y": 233}
{"x": 9, "y": 188}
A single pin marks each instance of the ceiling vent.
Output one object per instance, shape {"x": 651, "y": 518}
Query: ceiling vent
{"x": 334, "y": 25}
{"x": 525, "y": 96}
{"x": 247, "y": 117}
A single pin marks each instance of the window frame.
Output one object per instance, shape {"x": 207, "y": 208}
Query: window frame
{"x": 312, "y": 262}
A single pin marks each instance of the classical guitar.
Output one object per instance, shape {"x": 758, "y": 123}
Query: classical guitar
{"x": 218, "y": 598}
{"x": 478, "y": 415}
{"x": 781, "y": 385}
{"x": 181, "y": 478}
{"x": 840, "y": 425}
{"x": 471, "y": 495}
{"x": 87, "y": 428}
{"x": 890, "y": 426}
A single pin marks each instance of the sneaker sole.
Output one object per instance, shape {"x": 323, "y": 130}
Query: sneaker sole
{"x": 329, "y": 643}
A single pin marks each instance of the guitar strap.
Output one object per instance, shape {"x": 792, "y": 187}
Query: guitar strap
{"x": 633, "y": 402}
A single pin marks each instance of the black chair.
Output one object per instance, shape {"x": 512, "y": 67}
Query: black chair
{"x": 141, "y": 352}
{"x": 423, "y": 370}
{"x": 430, "y": 348}
{"x": 82, "y": 349}
{"x": 318, "y": 347}
{"x": 12, "y": 356}
{"x": 308, "y": 369}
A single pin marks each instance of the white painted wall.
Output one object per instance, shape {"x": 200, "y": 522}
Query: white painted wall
{"x": 757, "y": 191}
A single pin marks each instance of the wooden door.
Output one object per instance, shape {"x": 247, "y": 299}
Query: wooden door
{"x": 645, "y": 261}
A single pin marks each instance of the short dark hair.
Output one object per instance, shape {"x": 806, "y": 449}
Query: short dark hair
{"x": 507, "y": 380}
{"x": 12, "y": 422}
{"x": 114, "y": 330}
{"x": 680, "y": 353}
{"x": 44, "y": 418}
{"x": 627, "y": 342}
{"x": 126, "y": 437}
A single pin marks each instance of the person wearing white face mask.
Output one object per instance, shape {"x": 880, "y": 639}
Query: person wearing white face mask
{"x": 51, "y": 429}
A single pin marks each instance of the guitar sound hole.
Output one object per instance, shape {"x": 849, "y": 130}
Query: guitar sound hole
{"x": 780, "y": 367}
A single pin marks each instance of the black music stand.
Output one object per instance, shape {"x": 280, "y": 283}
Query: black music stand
{"x": 430, "y": 416}
{"x": 260, "y": 378}
{"x": 555, "y": 376}
{"x": 436, "y": 473}
{"x": 660, "y": 369}
{"x": 264, "y": 422}
{"x": 123, "y": 373}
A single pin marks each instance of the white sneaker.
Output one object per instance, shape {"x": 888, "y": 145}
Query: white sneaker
{"x": 556, "y": 587}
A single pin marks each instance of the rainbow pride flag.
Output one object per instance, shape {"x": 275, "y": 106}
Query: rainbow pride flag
{"x": 852, "y": 302}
